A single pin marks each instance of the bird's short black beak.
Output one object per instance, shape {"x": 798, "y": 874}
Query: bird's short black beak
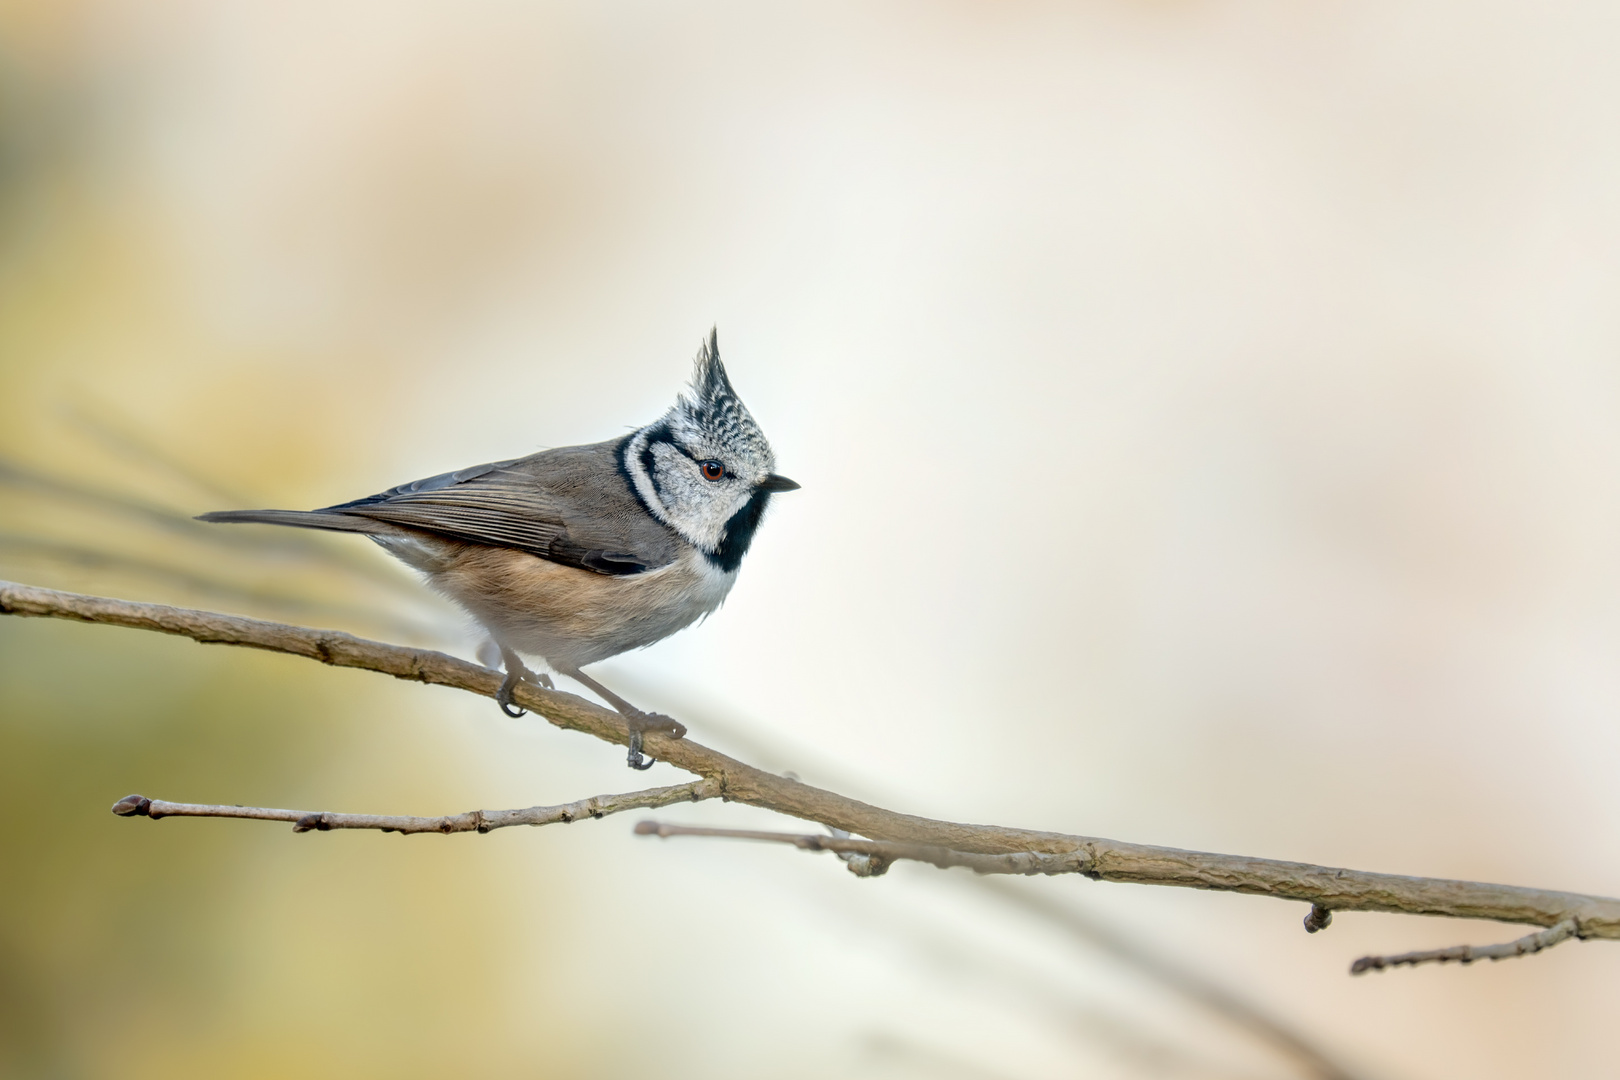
{"x": 778, "y": 483}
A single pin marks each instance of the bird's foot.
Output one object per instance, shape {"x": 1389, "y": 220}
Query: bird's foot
{"x": 516, "y": 673}
{"x": 642, "y": 722}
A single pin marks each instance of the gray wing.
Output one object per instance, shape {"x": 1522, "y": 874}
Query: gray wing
{"x": 571, "y": 506}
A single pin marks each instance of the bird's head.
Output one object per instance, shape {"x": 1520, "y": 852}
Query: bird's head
{"x": 704, "y": 467}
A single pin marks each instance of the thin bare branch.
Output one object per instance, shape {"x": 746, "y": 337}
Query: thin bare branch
{"x": 1467, "y": 954}
{"x": 478, "y": 821}
{"x": 1331, "y": 888}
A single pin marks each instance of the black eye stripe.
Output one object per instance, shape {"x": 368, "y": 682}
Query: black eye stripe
{"x": 669, "y": 440}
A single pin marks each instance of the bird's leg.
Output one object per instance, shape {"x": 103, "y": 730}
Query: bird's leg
{"x": 637, "y": 721}
{"x": 516, "y": 673}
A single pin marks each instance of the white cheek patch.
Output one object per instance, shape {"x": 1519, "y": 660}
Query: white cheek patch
{"x": 696, "y": 508}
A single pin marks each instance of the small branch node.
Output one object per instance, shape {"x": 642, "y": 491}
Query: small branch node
{"x": 858, "y": 864}
{"x": 311, "y": 822}
{"x": 866, "y": 865}
{"x": 1317, "y": 919}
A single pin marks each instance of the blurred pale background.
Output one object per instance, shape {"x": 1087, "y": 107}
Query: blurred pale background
{"x": 1209, "y": 423}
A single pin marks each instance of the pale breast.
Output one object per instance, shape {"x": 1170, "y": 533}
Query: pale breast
{"x": 574, "y": 617}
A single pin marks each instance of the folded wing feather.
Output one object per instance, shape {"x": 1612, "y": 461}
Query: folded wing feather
{"x": 568, "y": 505}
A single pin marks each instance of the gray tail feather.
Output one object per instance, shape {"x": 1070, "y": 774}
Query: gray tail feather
{"x": 302, "y": 519}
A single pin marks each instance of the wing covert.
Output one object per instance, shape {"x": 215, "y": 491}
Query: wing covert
{"x": 512, "y": 504}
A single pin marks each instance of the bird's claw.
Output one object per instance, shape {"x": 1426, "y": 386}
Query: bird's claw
{"x": 642, "y": 723}
{"x": 516, "y": 673}
{"x": 503, "y": 696}
{"x": 636, "y": 761}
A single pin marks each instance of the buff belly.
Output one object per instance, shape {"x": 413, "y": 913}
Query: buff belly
{"x": 574, "y": 617}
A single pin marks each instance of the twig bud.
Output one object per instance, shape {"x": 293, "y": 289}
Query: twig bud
{"x": 132, "y": 806}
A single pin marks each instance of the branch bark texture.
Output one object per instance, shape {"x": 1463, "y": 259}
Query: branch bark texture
{"x": 1329, "y": 888}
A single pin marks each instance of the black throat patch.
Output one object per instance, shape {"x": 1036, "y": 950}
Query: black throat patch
{"x": 739, "y": 533}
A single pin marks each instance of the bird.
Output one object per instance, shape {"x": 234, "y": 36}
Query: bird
{"x": 579, "y": 553}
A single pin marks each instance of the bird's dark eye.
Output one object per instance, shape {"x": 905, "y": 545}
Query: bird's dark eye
{"x": 712, "y": 470}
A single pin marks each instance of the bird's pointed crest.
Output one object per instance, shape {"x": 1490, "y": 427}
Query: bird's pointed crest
{"x": 704, "y": 468}
{"x": 709, "y": 381}
{"x": 710, "y": 406}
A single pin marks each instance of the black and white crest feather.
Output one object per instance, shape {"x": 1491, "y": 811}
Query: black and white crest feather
{"x": 711, "y": 410}
{"x": 708, "y": 423}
